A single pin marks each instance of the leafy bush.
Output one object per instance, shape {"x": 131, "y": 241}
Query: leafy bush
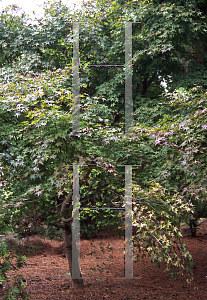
{"x": 93, "y": 221}
{"x": 9, "y": 261}
{"x": 157, "y": 217}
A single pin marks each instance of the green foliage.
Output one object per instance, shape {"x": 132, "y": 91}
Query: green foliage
{"x": 16, "y": 290}
{"x": 167, "y": 143}
{"x": 91, "y": 222}
{"x": 186, "y": 143}
{"x": 163, "y": 36}
{"x": 49, "y": 39}
{"x": 157, "y": 217}
{"x": 12, "y": 28}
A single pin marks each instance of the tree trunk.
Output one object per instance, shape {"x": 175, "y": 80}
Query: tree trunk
{"x": 146, "y": 83}
{"x": 72, "y": 257}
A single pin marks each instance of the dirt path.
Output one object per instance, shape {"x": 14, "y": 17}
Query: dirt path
{"x": 46, "y": 273}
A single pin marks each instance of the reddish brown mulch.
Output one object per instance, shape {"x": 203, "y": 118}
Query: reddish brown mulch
{"x": 46, "y": 273}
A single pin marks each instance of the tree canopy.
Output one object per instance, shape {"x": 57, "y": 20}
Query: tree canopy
{"x": 168, "y": 137}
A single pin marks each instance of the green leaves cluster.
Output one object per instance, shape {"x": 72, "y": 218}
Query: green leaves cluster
{"x": 16, "y": 290}
{"x": 157, "y": 217}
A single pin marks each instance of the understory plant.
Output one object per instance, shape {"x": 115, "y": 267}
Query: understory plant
{"x": 9, "y": 261}
{"x": 156, "y": 223}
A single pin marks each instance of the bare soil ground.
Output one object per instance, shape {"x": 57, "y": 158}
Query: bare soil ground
{"x": 46, "y": 272}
